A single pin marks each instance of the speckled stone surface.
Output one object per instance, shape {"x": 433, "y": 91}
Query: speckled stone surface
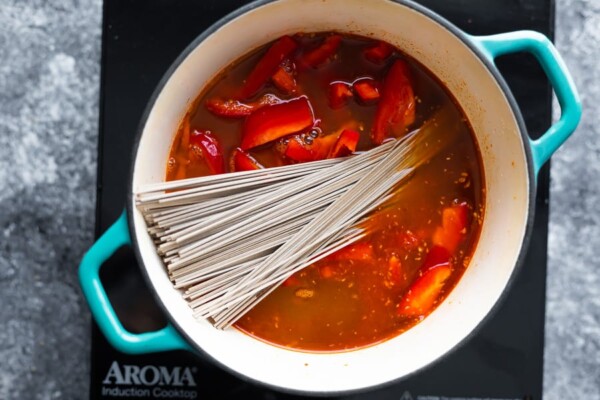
{"x": 572, "y": 349}
{"x": 49, "y": 81}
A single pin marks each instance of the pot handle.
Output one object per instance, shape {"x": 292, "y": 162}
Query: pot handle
{"x": 103, "y": 312}
{"x": 558, "y": 75}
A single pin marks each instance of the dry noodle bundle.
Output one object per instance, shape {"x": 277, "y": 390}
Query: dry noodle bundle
{"x": 229, "y": 240}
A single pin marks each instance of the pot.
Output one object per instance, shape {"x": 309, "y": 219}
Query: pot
{"x": 511, "y": 160}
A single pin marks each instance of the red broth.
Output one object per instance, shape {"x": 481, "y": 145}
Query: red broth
{"x": 359, "y": 91}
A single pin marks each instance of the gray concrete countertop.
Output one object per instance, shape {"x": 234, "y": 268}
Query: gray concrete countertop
{"x": 49, "y": 81}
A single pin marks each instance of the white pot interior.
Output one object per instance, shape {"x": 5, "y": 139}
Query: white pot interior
{"x": 505, "y": 169}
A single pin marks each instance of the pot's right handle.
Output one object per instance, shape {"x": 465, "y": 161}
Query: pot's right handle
{"x": 558, "y": 75}
{"x": 103, "y": 312}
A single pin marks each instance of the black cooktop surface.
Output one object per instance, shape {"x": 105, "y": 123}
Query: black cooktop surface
{"x": 141, "y": 38}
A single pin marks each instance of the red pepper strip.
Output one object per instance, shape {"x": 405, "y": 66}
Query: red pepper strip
{"x": 267, "y": 66}
{"x": 378, "y": 53}
{"x": 454, "y": 227}
{"x": 242, "y": 161}
{"x": 437, "y": 255}
{"x": 396, "y": 108}
{"x": 360, "y": 251}
{"x": 339, "y": 93}
{"x": 298, "y": 150}
{"x": 345, "y": 145}
{"x": 284, "y": 81}
{"x": 211, "y": 150}
{"x": 366, "y": 90}
{"x": 318, "y": 56}
{"x": 424, "y": 291}
{"x": 275, "y": 121}
{"x": 236, "y": 109}
{"x": 228, "y": 108}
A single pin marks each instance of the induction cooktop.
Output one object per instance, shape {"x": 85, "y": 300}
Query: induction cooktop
{"x": 141, "y": 38}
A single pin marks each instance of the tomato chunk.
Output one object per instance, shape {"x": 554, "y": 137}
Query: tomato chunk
{"x": 267, "y": 66}
{"x": 275, "y": 121}
{"x": 454, "y": 227}
{"x": 346, "y": 144}
{"x": 366, "y": 90}
{"x": 378, "y": 53}
{"x": 396, "y": 108}
{"x": 211, "y": 150}
{"x": 236, "y": 109}
{"x": 242, "y": 161}
{"x": 284, "y": 81}
{"x": 424, "y": 291}
{"x": 318, "y": 56}
{"x": 339, "y": 93}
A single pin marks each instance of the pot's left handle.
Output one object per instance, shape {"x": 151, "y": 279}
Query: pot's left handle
{"x": 103, "y": 312}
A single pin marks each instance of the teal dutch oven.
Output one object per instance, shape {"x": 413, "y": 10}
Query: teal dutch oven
{"x": 511, "y": 160}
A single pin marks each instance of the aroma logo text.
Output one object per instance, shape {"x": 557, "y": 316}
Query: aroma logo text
{"x": 149, "y": 375}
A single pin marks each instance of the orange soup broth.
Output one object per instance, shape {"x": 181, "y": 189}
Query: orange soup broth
{"x": 347, "y": 302}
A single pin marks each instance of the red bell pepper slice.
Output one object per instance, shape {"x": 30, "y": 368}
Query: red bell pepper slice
{"x": 346, "y": 144}
{"x": 366, "y": 90}
{"x": 275, "y": 121}
{"x": 379, "y": 52}
{"x": 396, "y": 108}
{"x": 436, "y": 268}
{"x": 339, "y": 93}
{"x": 454, "y": 227}
{"x": 228, "y": 108}
{"x": 211, "y": 150}
{"x": 424, "y": 291}
{"x": 267, "y": 66}
{"x": 437, "y": 255}
{"x": 242, "y": 161}
{"x": 236, "y": 109}
{"x": 284, "y": 81}
{"x": 298, "y": 149}
{"x": 318, "y": 56}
